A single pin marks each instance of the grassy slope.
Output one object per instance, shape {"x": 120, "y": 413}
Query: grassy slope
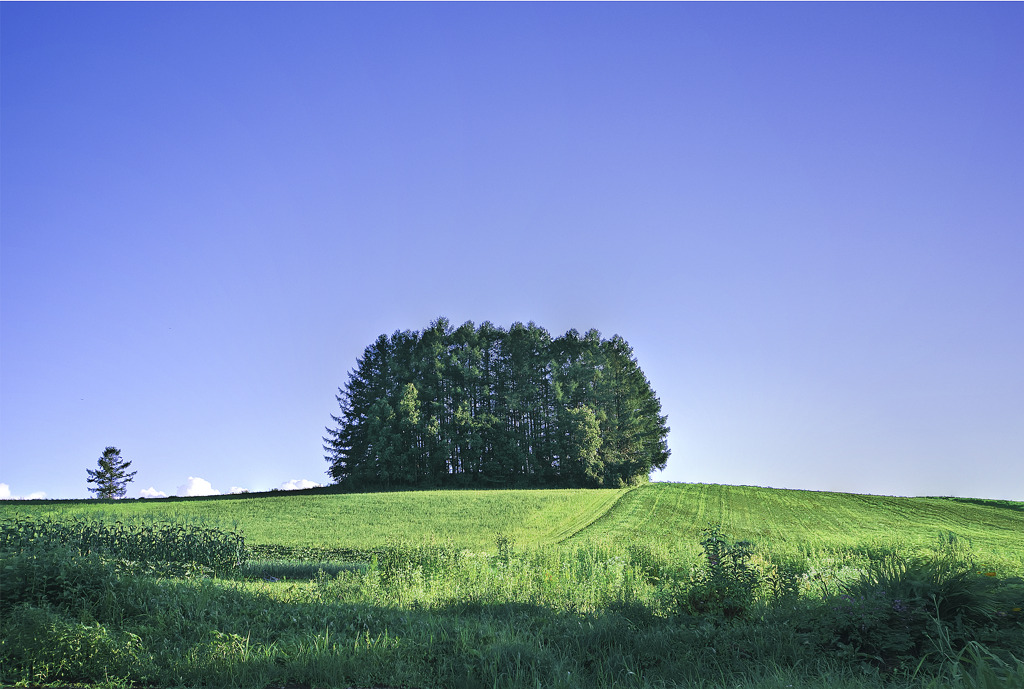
{"x": 667, "y": 514}
{"x": 808, "y": 520}
{"x": 470, "y": 519}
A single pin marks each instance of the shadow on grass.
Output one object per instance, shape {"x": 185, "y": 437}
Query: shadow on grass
{"x": 149, "y": 632}
{"x": 102, "y": 627}
{"x": 1003, "y": 504}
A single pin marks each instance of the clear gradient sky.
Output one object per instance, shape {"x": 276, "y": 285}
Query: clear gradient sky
{"x": 807, "y": 219}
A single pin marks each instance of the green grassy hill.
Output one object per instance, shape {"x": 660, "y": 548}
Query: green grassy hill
{"x": 665, "y": 514}
{"x": 469, "y": 519}
{"x": 807, "y": 520}
{"x": 602, "y": 588}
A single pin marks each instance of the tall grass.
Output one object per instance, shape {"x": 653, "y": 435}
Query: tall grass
{"x": 662, "y": 586}
{"x": 574, "y": 615}
{"x": 584, "y": 615}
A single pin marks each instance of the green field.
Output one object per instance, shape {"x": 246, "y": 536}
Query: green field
{"x": 657, "y": 586}
{"x": 363, "y": 521}
{"x": 808, "y": 522}
{"x": 671, "y": 515}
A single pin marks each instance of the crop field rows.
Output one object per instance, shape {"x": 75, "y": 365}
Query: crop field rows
{"x": 807, "y": 521}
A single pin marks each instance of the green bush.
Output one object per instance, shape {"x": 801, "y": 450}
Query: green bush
{"x": 57, "y": 576}
{"x": 872, "y": 627}
{"x": 944, "y": 586}
{"x": 41, "y": 645}
{"x": 889, "y": 614}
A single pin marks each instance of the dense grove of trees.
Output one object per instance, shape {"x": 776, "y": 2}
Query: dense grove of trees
{"x": 487, "y": 406}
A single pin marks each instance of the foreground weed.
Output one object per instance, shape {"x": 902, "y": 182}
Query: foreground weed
{"x": 975, "y": 666}
{"x": 727, "y": 583}
{"x": 48, "y": 647}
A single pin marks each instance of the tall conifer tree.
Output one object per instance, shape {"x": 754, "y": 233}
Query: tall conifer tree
{"x": 112, "y": 476}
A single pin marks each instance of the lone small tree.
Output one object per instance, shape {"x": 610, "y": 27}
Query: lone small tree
{"x": 112, "y": 477}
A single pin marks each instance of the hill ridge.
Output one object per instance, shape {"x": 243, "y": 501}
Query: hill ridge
{"x": 661, "y": 515}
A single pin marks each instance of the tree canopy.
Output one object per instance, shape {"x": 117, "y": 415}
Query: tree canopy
{"x": 487, "y": 406}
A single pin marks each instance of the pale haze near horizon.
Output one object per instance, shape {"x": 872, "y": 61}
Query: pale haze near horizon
{"x": 807, "y": 220}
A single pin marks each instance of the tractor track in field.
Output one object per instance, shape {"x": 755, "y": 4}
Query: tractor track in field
{"x": 600, "y": 514}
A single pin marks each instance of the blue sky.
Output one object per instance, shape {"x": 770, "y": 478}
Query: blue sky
{"x": 807, "y": 219}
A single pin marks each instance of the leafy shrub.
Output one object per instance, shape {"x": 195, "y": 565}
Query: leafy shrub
{"x": 40, "y": 645}
{"x": 873, "y": 626}
{"x": 782, "y": 579}
{"x": 506, "y": 547}
{"x": 889, "y": 614}
{"x": 944, "y": 586}
{"x": 58, "y": 576}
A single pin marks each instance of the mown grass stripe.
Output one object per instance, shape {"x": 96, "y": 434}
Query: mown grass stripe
{"x": 601, "y": 508}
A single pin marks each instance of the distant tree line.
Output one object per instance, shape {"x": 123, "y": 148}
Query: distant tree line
{"x": 475, "y": 406}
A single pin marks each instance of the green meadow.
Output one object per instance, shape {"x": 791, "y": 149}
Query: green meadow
{"x": 660, "y": 585}
{"x": 810, "y": 522}
{"x": 667, "y": 514}
{"x": 363, "y": 521}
